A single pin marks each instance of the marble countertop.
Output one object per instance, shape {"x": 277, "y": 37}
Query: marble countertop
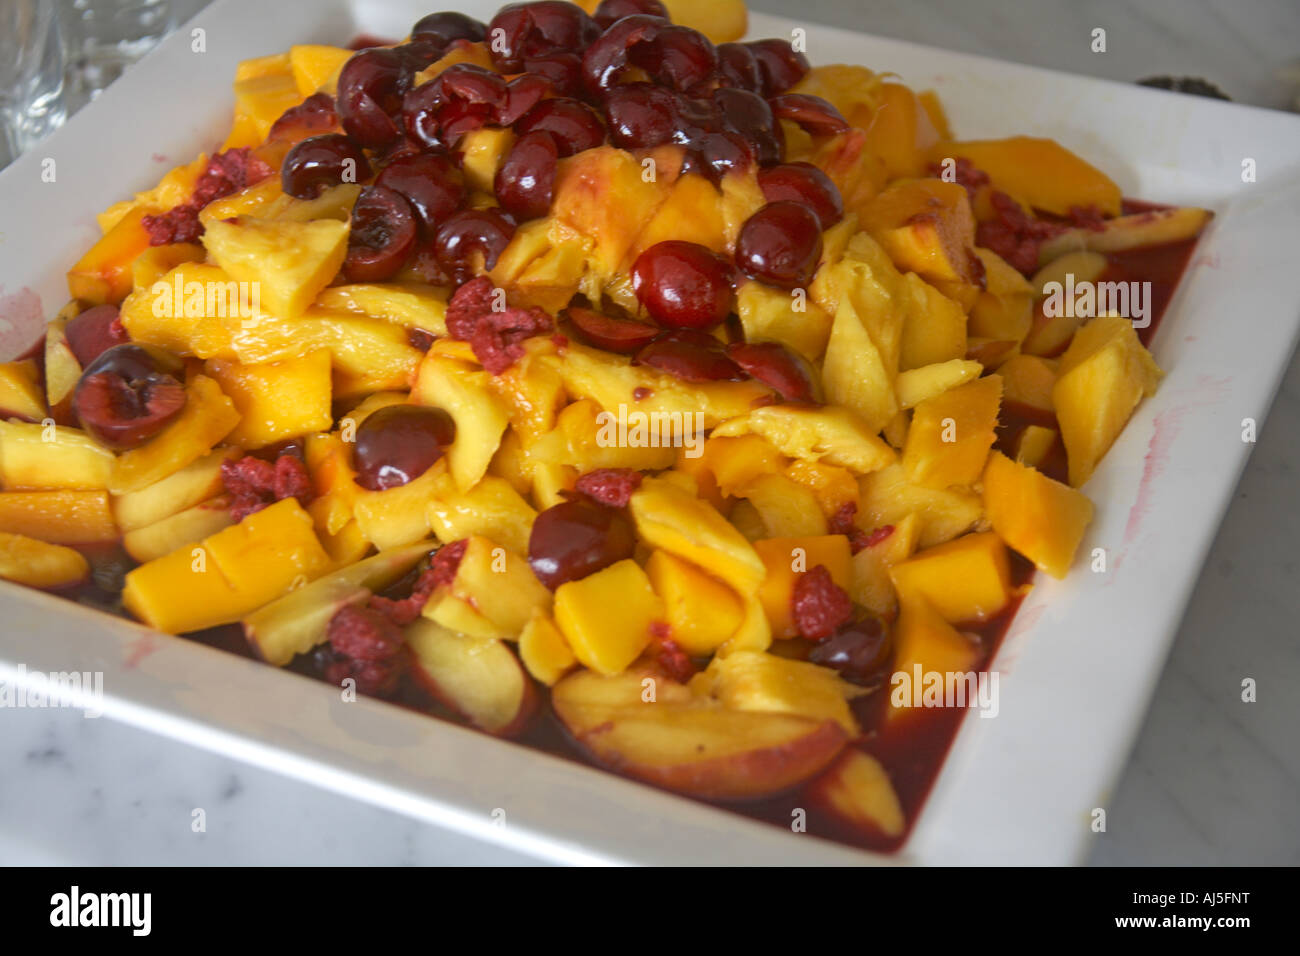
{"x": 1211, "y": 780}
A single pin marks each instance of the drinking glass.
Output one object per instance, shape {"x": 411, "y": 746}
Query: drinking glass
{"x": 104, "y": 37}
{"x": 32, "y": 101}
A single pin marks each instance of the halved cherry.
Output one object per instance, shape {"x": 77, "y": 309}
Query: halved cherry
{"x": 771, "y": 363}
{"x": 609, "y": 12}
{"x": 448, "y": 26}
{"x": 128, "y": 395}
{"x": 317, "y": 163}
{"x": 522, "y": 30}
{"x": 576, "y": 538}
{"x": 626, "y": 336}
{"x": 431, "y": 182}
{"x": 817, "y": 116}
{"x": 779, "y": 65}
{"x": 691, "y": 356}
{"x": 313, "y": 115}
{"x": 574, "y": 124}
{"x": 805, "y": 183}
{"x": 370, "y": 90}
{"x": 471, "y": 232}
{"x": 781, "y": 244}
{"x": 382, "y": 237}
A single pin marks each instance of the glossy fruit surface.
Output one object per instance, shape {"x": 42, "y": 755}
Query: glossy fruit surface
{"x": 128, "y": 395}
{"x": 525, "y": 183}
{"x": 777, "y": 367}
{"x": 690, "y": 356}
{"x": 803, "y": 183}
{"x": 608, "y": 12}
{"x": 684, "y": 285}
{"x": 781, "y": 245}
{"x": 576, "y": 538}
{"x": 370, "y": 90}
{"x": 399, "y": 443}
{"x": 522, "y": 30}
{"x": 614, "y": 334}
{"x": 94, "y": 332}
{"x": 382, "y": 237}
{"x": 315, "y": 164}
{"x": 447, "y": 26}
{"x": 573, "y": 123}
{"x": 779, "y": 65}
{"x": 816, "y": 115}
{"x": 471, "y": 232}
{"x": 431, "y": 182}
{"x": 858, "y": 649}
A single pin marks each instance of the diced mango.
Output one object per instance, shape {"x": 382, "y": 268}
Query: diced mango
{"x": 491, "y": 508}
{"x": 787, "y": 508}
{"x": 670, "y": 517}
{"x": 1042, "y": 519}
{"x": 735, "y": 462}
{"x": 934, "y": 326}
{"x": 268, "y": 551}
{"x": 925, "y": 643}
{"x": 773, "y": 315}
{"x": 290, "y": 261}
{"x": 606, "y": 617}
{"x": 314, "y": 66}
{"x": 1103, "y": 376}
{"x": 928, "y": 381}
{"x": 156, "y": 261}
{"x": 543, "y": 650}
{"x": 103, "y": 274}
{"x": 833, "y": 435}
{"x": 278, "y": 400}
{"x": 926, "y": 226}
{"x": 785, "y": 560}
{"x": 263, "y": 99}
{"x": 901, "y": 133}
{"x": 1028, "y": 380}
{"x": 500, "y": 585}
{"x": 968, "y": 579}
{"x": 702, "y": 612}
{"x": 398, "y": 516}
{"x": 1035, "y": 444}
{"x": 888, "y": 497}
{"x": 951, "y": 434}
{"x": 465, "y": 393}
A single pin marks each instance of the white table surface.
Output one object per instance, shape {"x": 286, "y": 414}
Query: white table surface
{"x": 1211, "y": 779}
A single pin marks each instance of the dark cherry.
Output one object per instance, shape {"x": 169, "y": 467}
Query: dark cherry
{"x": 421, "y": 53}
{"x": 320, "y": 162}
{"x": 780, "y": 244}
{"x": 129, "y": 394}
{"x": 678, "y": 56}
{"x": 94, "y": 332}
{"x": 399, "y": 443}
{"x": 522, "y": 30}
{"x": 641, "y": 115}
{"x": 779, "y": 66}
{"x": 816, "y": 116}
{"x": 690, "y": 355}
{"x": 614, "y": 334}
{"x": 738, "y": 67}
{"x": 748, "y": 114}
{"x": 787, "y": 374}
{"x": 370, "y": 90}
{"x": 609, "y": 12}
{"x": 485, "y": 232}
{"x": 805, "y": 183}
{"x": 859, "y": 649}
{"x": 525, "y": 183}
{"x": 721, "y": 153}
{"x": 312, "y": 116}
{"x": 461, "y": 98}
{"x": 431, "y": 182}
{"x": 576, "y": 538}
{"x": 607, "y": 58}
{"x": 684, "y": 285}
{"x": 448, "y": 26}
{"x": 382, "y": 237}
{"x": 574, "y": 124}
{"x": 562, "y": 70}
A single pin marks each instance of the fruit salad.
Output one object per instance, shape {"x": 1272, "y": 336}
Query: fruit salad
{"x": 595, "y": 378}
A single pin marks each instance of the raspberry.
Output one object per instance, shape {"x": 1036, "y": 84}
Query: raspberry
{"x": 669, "y": 655}
{"x": 612, "y": 487}
{"x": 469, "y": 302}
{"x": 1013, "y": 235}
{"x": 226, "y": 173}
{"x": 965, "y": 174}
{"x": 441, "y": 571}
{"x": 819, "y": 605}
{"x": 497, "y": 340}
{"x": 253, "y": 484}
{"x": 364, "y": 634}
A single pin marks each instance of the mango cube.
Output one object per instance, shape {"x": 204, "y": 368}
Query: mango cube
{"x": 59, "y": 517}
{"x": 925, "y": 643}
{"x": 785, "y": 560}
{"x": 702, "y": 612}
{"x": 543, "y": 650}
{"x": 1042, "y": 519}
{"x": 951, "y": 434}
{"x": 606, "y": 617}
{"x": 291, "y": 262}
{"x": 888, "y": 497}
{"x": 277, "y": 400}
{"x": 968, "y": 579}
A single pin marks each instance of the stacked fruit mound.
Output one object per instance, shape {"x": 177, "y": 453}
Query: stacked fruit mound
{"x": 376, "y": 381}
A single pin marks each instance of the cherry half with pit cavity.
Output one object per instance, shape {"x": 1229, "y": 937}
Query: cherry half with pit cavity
{"x": 399, "y": 443}
{"x": 431, "y": 182}
{"x": 128, "y": 395}
{"x": 382, "y": 236}
{"x": 315, "y": 164}
{"x": 805, "y": 183}
{"x": 371, "y": 86}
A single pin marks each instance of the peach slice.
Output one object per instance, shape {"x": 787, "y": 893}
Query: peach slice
{"x": 479, "y": 678}
{"x": 657, "y": 731}
{"x": 499, "y": 584}
{"x": 195, "y": 483}
{"x": 184, "y": 528}
{"x": 544, "y": 651}
{"x": 1150, "y": 228}
{"x": 703, "y": 613}
{"x": 491, "y": 508}
{"x": 465, "y": 392}
{"x": 103, "y": 274}
{"x": 1039, "y": 172}
{"x": 36, "y": 457}
{"x": 60, "y": 517}
{"x": 277, "y": 400}
{"x": 297, "y": 622}
{"x": 782, "y": 556}
{"x": 39, "y": 564}
{"x": 951, "y": 434}
{"x": 888, "y": 497}
{"x": 762, "y": 682}
{"x": 833, "y": 435}
{"x": 62, "y": 370}
{"x": 291, "y": 261}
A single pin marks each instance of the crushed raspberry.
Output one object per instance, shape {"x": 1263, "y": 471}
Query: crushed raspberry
{"x": 669, "y": 655}
{"x": 878, "y": 535}
{"x": 1014, "y": 235}
{"x": 253, "y": 484}
{"x": 844, "y": 522}
{"x": 466, "y": 305}
{"x": 441, "y": 571}
{"x": 498, "y": 340}
{"x": 366, "y": 646}
{"x": 315, "y": 114}
{"x": 611, "y": 487}
{"x": 965, "y": 174}
{"x": 819, "y": 605}
{"x": 1087, "y": 217}
{"x": 446, "y": 562}
{"x": 226, "y": 173}
{"x": 561, "y": 341}
{"x": 420, "y": 339}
